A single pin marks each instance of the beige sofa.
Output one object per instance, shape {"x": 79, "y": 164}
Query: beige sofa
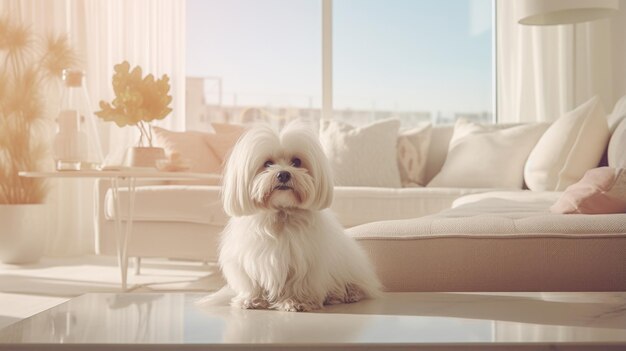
{"x": 490, "y": 240}
{"x": 499, "y": 241}
{"x": 184, "y": 221}
{"x": 508, "y": 241}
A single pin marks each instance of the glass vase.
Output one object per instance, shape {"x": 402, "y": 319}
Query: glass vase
{"x": 77, "y": 142}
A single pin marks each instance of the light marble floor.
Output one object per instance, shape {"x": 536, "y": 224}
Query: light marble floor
{"x": 28, "y": 289}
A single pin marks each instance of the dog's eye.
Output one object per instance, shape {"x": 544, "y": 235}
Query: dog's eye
{"x": 268, "y": 163}
{"x": 296, "y": 162}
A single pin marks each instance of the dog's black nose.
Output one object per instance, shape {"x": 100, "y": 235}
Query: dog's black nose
{"x": 283, "y": 176}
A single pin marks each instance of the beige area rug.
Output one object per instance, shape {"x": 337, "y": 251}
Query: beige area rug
{"x": 29, "y": 289}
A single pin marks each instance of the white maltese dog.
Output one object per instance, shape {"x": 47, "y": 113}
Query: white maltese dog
{"x": 282, "y": 249}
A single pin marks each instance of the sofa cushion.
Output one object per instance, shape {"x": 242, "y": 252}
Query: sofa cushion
{"x": 412, "y": 155}
{"x": 602, "y": 190}
{"x": 437, "y": 150}
{"x": 498, "y": 216}
{"x": 482, "y": 156}
{"x": 517, "y": 196}
{"x": 191, "y": 146}
{"x": 359, "y": 205}
{"x": 171, "y": 203}
{"x": 499, "y": 245}
{"x": 617, "y": 146}
{"x": 224, "y": 139}
{"x": 362, "y": 156}
{"x": 352, "y": 205}
{"x": 205, "y": 152}
{"x": 618, "y": 114}
{"x": 573, "y": 144}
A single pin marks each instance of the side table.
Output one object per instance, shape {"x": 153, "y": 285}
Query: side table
{"x": 116, "y": 177}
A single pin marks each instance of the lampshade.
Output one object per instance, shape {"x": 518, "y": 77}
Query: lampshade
{"x": 547, "y": 12}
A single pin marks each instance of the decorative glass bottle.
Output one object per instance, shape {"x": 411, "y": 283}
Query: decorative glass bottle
{"x": 77, "y": 143}
{"x": 70, "y": 143}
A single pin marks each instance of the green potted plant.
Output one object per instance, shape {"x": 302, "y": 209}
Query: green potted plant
{"x": 138, "y": 101}
{"x": 30, "y": 64}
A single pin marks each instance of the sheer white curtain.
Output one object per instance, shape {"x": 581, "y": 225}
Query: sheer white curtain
{"x": 149, "y": 33}
{"x": 537, "y": 67}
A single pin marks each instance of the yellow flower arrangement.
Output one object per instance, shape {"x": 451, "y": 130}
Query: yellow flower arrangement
{"x": 138, "y": 101}
{"x": 30, "y": 65}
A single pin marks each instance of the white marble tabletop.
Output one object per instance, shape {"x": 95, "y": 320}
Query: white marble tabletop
{"x": 143, "y": 173}
{"x": 441, "y": 321}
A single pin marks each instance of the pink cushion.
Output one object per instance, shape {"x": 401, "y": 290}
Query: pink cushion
{"x": 224, "y": 139}
{"x": 191, "y": 146}
{"x": 221, "y": 128}
{"x": 205, "y": 152}
{"x": 600, "y": 191}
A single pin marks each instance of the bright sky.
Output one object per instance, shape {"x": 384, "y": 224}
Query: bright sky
{"x": 391, "y": 54}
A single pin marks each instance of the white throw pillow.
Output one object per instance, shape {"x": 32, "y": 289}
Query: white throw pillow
{"x": 573, "y": 144}
{"x": 618, "y": 114}
{"x": 617, "y": 146}
{"x": 412, "y": 153}
{"x": 483, "y": 156}
{"x": 364, "y": 156}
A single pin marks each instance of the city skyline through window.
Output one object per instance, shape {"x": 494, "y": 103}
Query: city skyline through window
{"x": 413, "y": 59}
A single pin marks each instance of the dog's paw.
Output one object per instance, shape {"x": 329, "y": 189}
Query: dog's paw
{"x": 333, "y": 299}
{"x": 291, "y": 305}
{"x": 255, "y": 303}
{"x": 353, "y": 294}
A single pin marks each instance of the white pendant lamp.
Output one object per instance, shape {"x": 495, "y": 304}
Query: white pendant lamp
{"x": 550, "y": 12}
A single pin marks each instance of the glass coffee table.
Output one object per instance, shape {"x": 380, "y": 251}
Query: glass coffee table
{"x": 416, "y": 321}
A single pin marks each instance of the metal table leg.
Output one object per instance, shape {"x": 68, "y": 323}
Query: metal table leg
{"x": 123, "y": 234}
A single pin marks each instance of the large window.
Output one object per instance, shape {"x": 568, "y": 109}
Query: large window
{"x": 419, "y": 60}
{"x": 252, "y": 59}
{"x": 416, "y": 60}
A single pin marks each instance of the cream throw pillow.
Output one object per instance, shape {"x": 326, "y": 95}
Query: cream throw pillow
{"x": 618, "y": 114}
{"x": 573, "y": 144}
{"x": 412, "y": 153}
{"x": 363, "y": 156}
{"x": 617, "y": 146}
{"x": 484, "y": 156}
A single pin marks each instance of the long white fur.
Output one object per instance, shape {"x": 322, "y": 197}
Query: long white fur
{"x": 283, "y": 249}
